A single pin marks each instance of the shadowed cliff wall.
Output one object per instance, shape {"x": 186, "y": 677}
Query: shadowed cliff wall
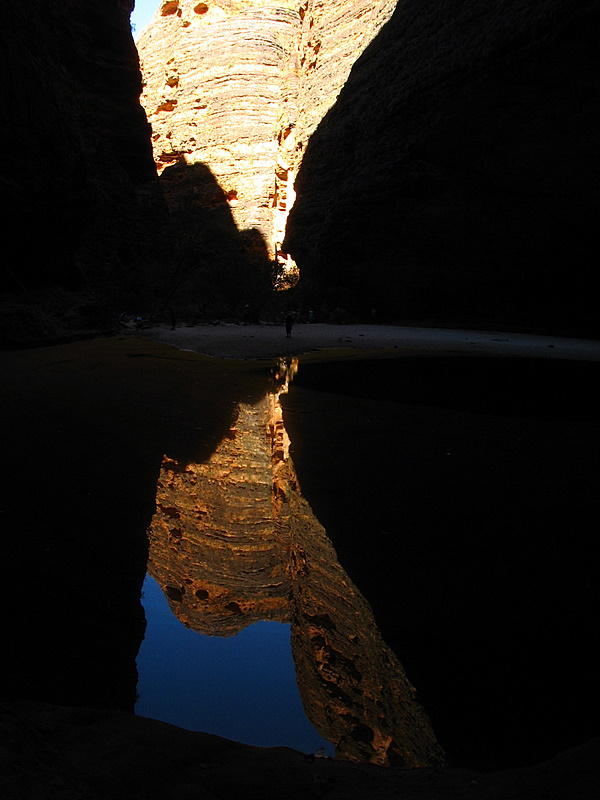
{"x": 77, "y": 177}
{"x": 456, "y": 178}
{"x": 215, "y": 269}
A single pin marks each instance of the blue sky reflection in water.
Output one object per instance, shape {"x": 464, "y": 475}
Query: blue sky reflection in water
{"x": 241, "y": 687}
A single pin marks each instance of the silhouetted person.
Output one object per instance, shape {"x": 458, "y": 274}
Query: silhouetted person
{"x": 172, "y": 318}
{"x": 289, "y": 324}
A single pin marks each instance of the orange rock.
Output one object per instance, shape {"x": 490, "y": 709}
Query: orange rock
{"x": 246, "y": 84}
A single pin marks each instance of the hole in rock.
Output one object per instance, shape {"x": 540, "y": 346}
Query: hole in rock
{"x": 170, "y": 7}
{"x": 168, "y": 105}
{"x": 175, "y": 593}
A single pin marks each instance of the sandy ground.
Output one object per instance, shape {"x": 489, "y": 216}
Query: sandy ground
{"x": 269, "y": 341}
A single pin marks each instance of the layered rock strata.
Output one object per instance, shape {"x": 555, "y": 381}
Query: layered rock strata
{"x": 240, "y": 87}
{"x": 233, "y": 541}
{"x": 456, "y": 178}
{"x": 78, "y": 184}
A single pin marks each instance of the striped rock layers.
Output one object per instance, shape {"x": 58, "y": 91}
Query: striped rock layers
{"x": 241, "y": 86}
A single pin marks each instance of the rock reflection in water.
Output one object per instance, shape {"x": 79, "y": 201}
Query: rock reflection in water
{"x": 234, "y": 542}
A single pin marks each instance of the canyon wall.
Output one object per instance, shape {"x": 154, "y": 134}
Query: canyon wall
{"x": 456, "y": 177}
{"x": 240, "y": 87}
{"x": 77, "y": 182}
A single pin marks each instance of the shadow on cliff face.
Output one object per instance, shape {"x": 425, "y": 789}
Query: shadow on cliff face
{"x": 82, "y": 205}
{"x": 461, "y": 496}
{"x": 463, "y": 188}
{"x": 217, "y": 270}
{"x": 84, "y": 430}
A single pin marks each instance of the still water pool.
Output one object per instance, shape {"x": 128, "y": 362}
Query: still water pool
{"x": 242, "y": 687}
{"x": 381, "y": 572}
{"x": 254, "y": 627}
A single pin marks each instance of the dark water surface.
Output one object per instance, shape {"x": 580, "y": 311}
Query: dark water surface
{"x": 461, "y": 496}
{"x": 430, "y": 523}
{"x": 457, "y": 493}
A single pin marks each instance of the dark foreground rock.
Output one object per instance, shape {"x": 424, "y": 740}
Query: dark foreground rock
{"x": 59, "y": 753}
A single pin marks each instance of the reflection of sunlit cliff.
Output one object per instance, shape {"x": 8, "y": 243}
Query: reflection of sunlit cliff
{"x": 213, "y": 547}
{"x": 233, "y": 541}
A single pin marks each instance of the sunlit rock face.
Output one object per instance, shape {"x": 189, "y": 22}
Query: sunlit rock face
{"x": 79, "y": 190}
{"x": 456, "y": 178}
{"x": 214, "y": 84}
{"x": 240, "y": 87}
{"x": 233, "y": 542}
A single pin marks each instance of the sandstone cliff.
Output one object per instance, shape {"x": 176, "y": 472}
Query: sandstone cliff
{"x": 240, "y": 87}
{"x": 77, "y": 180}
{"x": 456, "y": 178}
{"x": 233, "y": 541}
